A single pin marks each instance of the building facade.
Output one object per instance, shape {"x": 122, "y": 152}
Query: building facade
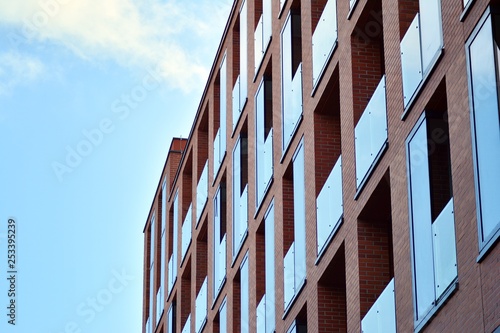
{"x": 341, "y": 175}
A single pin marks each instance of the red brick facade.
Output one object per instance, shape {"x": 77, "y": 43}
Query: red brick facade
{"x": 373, "y": 244}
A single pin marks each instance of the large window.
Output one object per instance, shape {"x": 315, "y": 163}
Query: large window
{"x": 432, "y": 222}
{"x": 291, "y": 78}
{"x": 294, "y": 230}
{"x": 240, "y": 193}
{"x": 219, "y": 270}
{"x": 483, "y": 59}
{"x": 264, "y": 139}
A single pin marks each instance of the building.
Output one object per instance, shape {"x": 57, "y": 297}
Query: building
{"x": 341, "y": 175}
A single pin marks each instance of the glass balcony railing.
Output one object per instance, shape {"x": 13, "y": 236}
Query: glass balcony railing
{"x": 220, "y": 266}
{"x": 264, "y": 165}
{"x": 261, "y": 315}
{"x": 186, "y": 233}
{"x": 292, "y": 106}
{"x": 217, "y": 153}
{"x": 289, "y": 276}
{"x": 201, "y": 307}
{"x": 445, "y": 256}
{"x": 148, "y": 325}
{"x": 420, "y": 47}
{"x": 352, "y": 3}
{"x": 329, "y": 207}
{"x": 371, "y": 133}
{"x": 381, "y": 318}
{"x": 241, "y": 221}
{"x": 236, "y": 102}
{"x": 159, "y": 305}
{"x": 201, "y": 193}
{"x": 324, "y": 39}
{"x": 187, "y": 325}
{"x": 172, "y": 273}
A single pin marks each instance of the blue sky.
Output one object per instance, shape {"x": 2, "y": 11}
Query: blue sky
{"x": 91, "y": 94}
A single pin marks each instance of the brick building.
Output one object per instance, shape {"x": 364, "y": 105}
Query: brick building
{"x": 341, "y": 175}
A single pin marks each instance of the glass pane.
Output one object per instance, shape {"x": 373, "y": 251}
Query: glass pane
{"x": 411, "y": 60}
{"x": 217, "y": 152}
{"x": 223, "y": 318}
{"x": 172, "y": 273}
{"x": 381, "y": 318}
{"x": 186, "y": 233}
{"x": 164, "y": 196}
{"x": 261, "y": 315}
{"x": 151, "y": 293}
{"x": 152, "y": 237}
{"x": 243, "y": 213}
{"x": 259, "y": 138}
{"x": 286, "y": 80}
{"x": 170, "y": 316}
{"x": 445, "y": 254}
{"x": 296, "y": 100}
{"x": 378, "y": 118}
{"x": 243, "y": 55}
{"x": 431, "y": 31}
{"x": 223, "y": 108}
{"x": 201, "y": 307}
{"x": 201, "y": 193}
{"x": 258, "y": 43}
{"x": 237, "y": 231}
{"x": 288, "y": 276}
{"x": 351, "y": 3}
{"x": 486, "y": 127}
{"x": 324, "y": 38}
{"x": 162, "y": 268}
{"x": 270, "y": 267}
{"x": 245, "y": 302}
{"x": 299, "y": 212}
{"x": 329, "y": 206}
{"x": 268, "y": 159}
{"x": 362, "y": 146}
{"x": 159, "y": 305}
{"x": 148, "y": 325}
{"x": 236, "y": 102}
{"x": 421, "y": 220}
{"x": 267, "y": 18}
{"x": 187, "y": 325}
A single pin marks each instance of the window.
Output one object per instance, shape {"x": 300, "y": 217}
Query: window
{"x": 294, "y": 229}
{"x": 263, "y": 30}
{"x": 240, "y": 61}
{"x": 421, "y": 46}
{"x": 244, "y": 297}
{"x": 172, "y": 261}
{"x": 171, "y": 317}
{"x": 483, "y": 69}
{"x": 220, "y": 88}
{"x": 201, "y": 307}
{"x": 433, "y": 248}
{"x": 151, "y": 270}
{"x": 291, "y": 79}
{"x": 264, "y": 139}
{"x": 265, "y": 275}
{"x": 219, "y": 270}
{"x": 240, "y": 193}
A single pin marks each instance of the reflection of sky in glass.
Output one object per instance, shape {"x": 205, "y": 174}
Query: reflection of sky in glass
{"x": 486, "y": 122}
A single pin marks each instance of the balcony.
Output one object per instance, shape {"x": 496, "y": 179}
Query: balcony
{"x": 324, "y": 40}
{"x": 217, "y": 153}
{"x": 371, "y": 135}
{"x": 381, "y": 318}
{"x": 329, "y": 207}
{"x": 220, "y": 266}
{"x": 201, "y": 193}
{"x": 264, "y": 165}
{"x": 240, "y": 221}
{"x": 421, "y": 47}
{"x": 237, "y": 107}
{"x": 159, "y": 304}
{"x": 261, "y": 315}
{"x": 172, "y": 273}
{"x": 262, "y": 34}
{"x": 186, "y": 233}
{"x": 201, "y": 307}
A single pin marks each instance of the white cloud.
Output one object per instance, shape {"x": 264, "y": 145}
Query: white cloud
{"x": 17, "y": 69}
{"x": 173, "y": 35}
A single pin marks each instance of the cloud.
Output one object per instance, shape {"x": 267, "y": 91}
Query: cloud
{"x": 17, "y": 69}
{"x": 175, "y": 36}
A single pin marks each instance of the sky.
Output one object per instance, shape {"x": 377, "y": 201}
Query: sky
{"x": 91, "y": 94}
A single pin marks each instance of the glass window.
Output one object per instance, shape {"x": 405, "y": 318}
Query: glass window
{"x": 245, "y": 302}
{"x": 240, "y": 194}
{"x": 483, "y": 53}
{"x": 291, "y": 79}
{"x": 219, "y": 239}
{"x": 434, "y": 256}
{"x": 264, "y": 139}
